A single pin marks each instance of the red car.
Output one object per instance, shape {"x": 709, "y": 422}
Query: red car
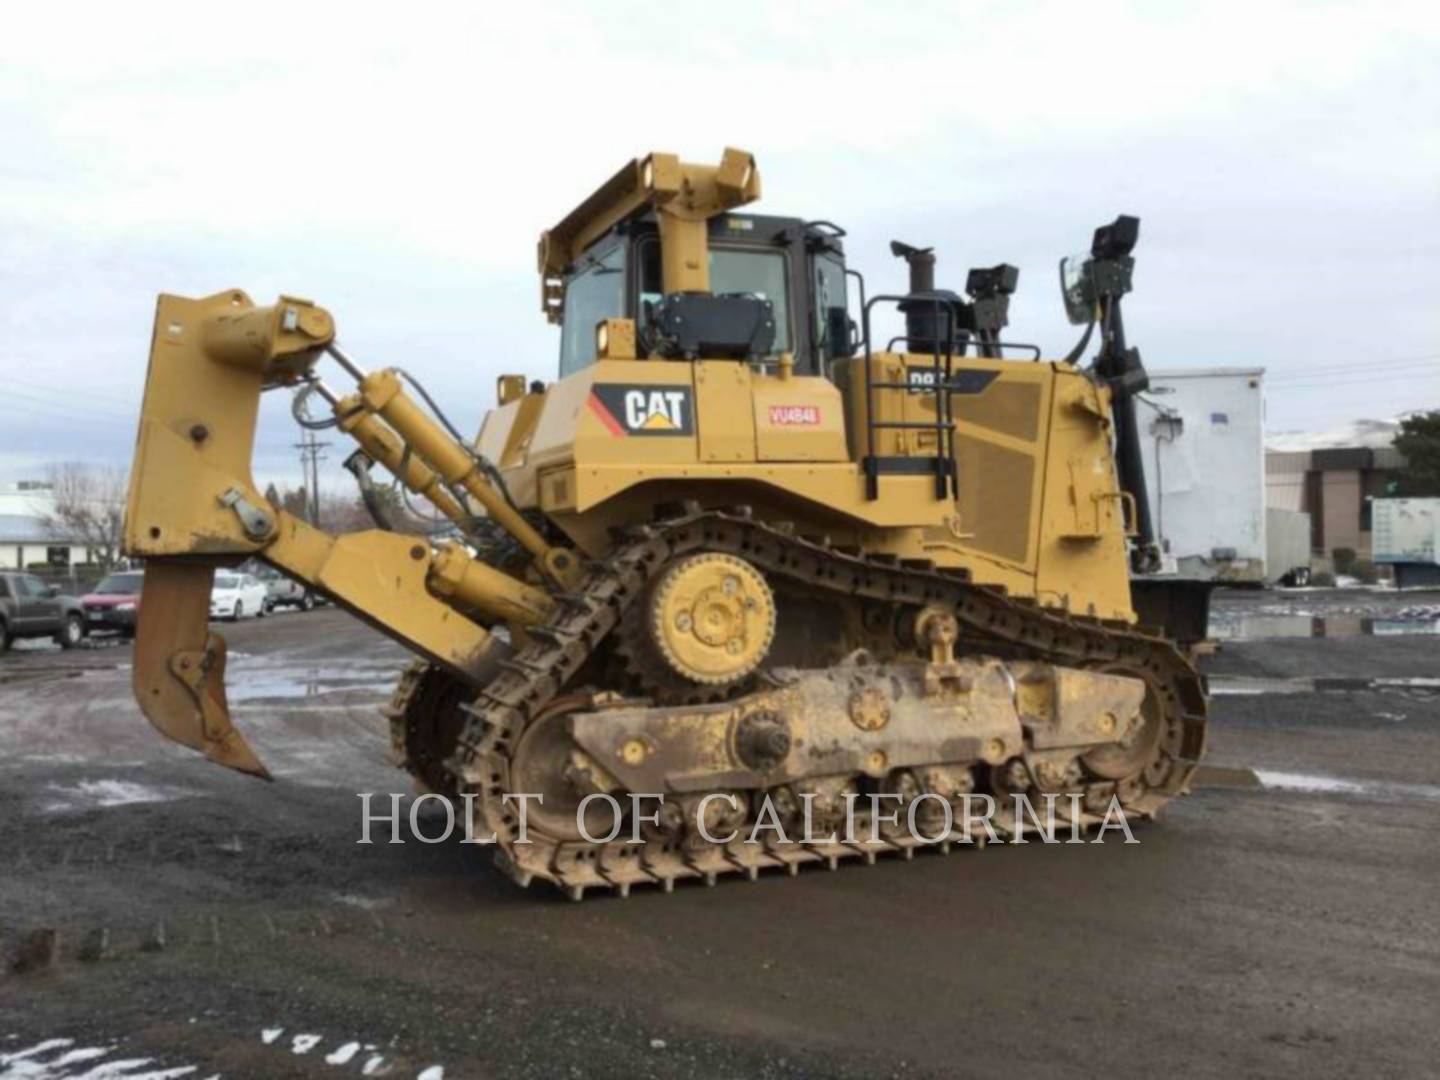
{"x": 115, "y": 603}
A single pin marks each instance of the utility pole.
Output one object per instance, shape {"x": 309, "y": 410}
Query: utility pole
{"x": 311, "y": 454}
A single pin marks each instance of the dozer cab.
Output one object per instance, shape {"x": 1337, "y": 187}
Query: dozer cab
{"x": 741, "y": 556}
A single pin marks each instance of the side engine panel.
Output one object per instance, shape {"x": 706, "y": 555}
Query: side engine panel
{"x": 1037, "y": 509}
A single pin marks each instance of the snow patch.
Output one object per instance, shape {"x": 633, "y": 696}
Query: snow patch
{"x": 343, "y": 1055}
{"x": 303, "y": 1044}
{"x": 364, "y": 903}
{"x": 64, "y": 1057}
{"x": 106, "y": 794}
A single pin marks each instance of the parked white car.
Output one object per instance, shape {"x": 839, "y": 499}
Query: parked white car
{"x": 234, "y": 596}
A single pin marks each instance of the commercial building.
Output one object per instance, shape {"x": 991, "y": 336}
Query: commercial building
{"x": 28, "y": 539}
{"x": 1333, "y": 477}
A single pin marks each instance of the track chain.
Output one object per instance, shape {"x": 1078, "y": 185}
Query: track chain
{"x": 990, "y": 621}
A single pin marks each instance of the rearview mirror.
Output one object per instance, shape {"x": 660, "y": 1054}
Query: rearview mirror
{"x": 838, "y": 338}
{"x": 52, "y": 591}
{"x": 1077, "y": 290}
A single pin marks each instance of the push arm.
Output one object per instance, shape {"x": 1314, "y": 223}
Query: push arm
{"x": 193, "y": 505}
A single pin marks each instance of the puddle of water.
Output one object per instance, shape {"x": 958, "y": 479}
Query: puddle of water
{"x": 1249, "y": 626}
{"x": 260, "y": 681}
{"x": 1338, "y": 785}
{"x": 1220, "y": 776}
{"x": 1246, "y": 686}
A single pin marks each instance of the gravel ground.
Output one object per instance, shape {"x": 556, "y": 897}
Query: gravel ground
{"x": 1277, "y": 923}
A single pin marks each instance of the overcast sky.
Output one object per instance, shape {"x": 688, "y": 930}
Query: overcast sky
{"x": 398, "y": 167}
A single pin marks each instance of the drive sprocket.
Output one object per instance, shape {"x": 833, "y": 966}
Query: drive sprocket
{"x": 705, "y": 625}
{"x": 712, "y": 618}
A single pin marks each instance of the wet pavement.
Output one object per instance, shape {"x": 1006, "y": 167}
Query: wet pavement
{"x": 1279, "y": 922}
{"x": 1241, "y": 615}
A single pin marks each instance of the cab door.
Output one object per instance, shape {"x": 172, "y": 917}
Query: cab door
{"x": 38, "y": 610}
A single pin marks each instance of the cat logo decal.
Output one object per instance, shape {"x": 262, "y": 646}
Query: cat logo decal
{"x": 643, "y": 410}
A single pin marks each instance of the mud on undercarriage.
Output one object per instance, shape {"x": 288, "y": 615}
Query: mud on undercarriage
{"x": 1038, "y": 703}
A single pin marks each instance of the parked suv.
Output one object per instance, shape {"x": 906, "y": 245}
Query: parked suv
{"x": 115, "y": 602}
{"x": 29, "y": 609}
{"x": 281, "y": 591}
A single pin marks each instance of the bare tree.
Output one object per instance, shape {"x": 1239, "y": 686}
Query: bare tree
{"x": 89, "y": 507}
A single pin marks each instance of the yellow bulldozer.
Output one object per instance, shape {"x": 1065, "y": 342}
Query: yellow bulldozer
{"x": 741, "y": 556}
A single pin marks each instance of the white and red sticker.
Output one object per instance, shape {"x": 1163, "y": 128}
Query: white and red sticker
{"x": 794, "y": 415}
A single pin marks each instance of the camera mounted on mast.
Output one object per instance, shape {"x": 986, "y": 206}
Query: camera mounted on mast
{"x": 1092, "y": 287}
{"x": 990, "y": 289}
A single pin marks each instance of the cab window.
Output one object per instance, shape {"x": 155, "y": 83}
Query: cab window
{"x": 829, "y": 294}
{"x": 595, "y": 291}
{"x": 732, "y": 270}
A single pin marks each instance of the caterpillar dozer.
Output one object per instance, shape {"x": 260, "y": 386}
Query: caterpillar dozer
{"x": 740, "y": 552}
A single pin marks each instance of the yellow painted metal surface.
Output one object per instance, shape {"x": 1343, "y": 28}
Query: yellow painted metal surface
{"x": 1017, "y": 439}
{"x": 384, "y": 446}
{"x": 178, "y": 673}
{"x": 723, "y": 393}
{"x": 684, "y": 197}
{"x": 209, "y": 359}
{"x": 635, "y": 428}
{"x": 1090, "y": 574}
{"x": 1037, "y": 511}
{"x": 384, "y": 578}
{"x": 712, "y": 618}
{"x": 192, "y": 505}
{"x": 798, "y": 418}
{"x": 472, "y": 584}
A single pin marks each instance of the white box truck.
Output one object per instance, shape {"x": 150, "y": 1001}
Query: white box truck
{"x": 1405, "y": 534}
{"x": 1202, "y": 431}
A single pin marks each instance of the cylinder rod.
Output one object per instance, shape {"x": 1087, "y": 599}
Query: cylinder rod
{"x": 384, "y": 446}
{"x": 382, "y": 393}
{"x": 345, "y": 362}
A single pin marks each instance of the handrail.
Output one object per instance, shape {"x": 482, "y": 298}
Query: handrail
{"x": 965, "y": 346}
{"x": 941, "y": 376}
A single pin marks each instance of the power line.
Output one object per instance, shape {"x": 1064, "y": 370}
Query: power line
{"x": 1413, "y": 381}
{"x": 1412, "y": 369}
{"x": 83, "y": 411}
{"x": 1357, "y": 365}
{"x": 311, "y": 454}
{"x": 69, "y": 392}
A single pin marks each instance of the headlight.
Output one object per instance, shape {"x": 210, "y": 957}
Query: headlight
{"x": 602, "y": 338}
{"x": 128, "y": 606}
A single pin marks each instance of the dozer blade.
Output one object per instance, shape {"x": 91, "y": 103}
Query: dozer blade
{"x": 179, "y": 674}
